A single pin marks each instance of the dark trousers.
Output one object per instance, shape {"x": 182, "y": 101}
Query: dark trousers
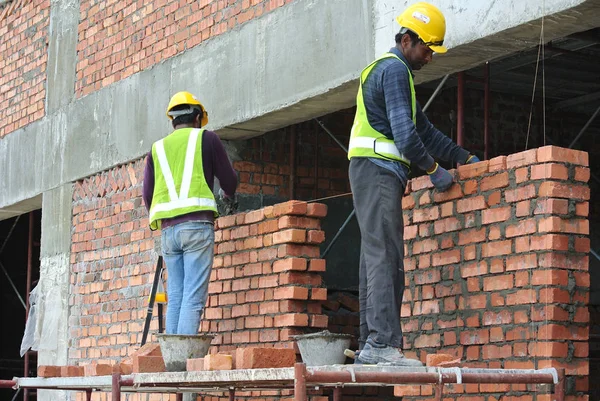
{"x": 377, "y": 196}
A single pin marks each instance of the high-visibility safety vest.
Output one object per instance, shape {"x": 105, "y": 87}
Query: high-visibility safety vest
{"x": 179, "y": 184}
{"x": 365, "y": 141}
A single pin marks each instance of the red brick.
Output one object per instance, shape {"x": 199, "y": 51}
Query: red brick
{"x": 260, "y": 358}
{"x": 496, "y": 248}
{"x": 494, "y": 198}
{"x": 317, "y": 265}
{"x": 495, "y": 351}
{"x": 101, "y": 369}
{"x": 522, "y": 175}
{"x": 523, "y": 227}
{"x": 454, "y": 192}
{"x": 497, "y": 318}
{"x": 447, "y": 225}
{"x": 519, "y": 194}
{"x": 497, "y": 163}
{"x": 551, "y": 171}
{"x": 472, "y": 170}
{"x": 71, "y": 371}
{"x": 548, "y": 349}
{"x": 148, "y": 364}
{"x": 494, "y": 182}
{"x": 496, "y": 283}
{"x": 289, "y": 236}
{"x": 558, "y": 154}
{"x": 551, "y": 206}
{"x": 292, "y": 207}
{"x": 289, "y": 264}
{"x": 523, "y": 208}
{"x": 446, "y": 257}
{"x": 320, "y": 321}
{"x": 521, "y": 297}
{"x": 495, "y": 215}
{"x": 582, "y": 174}
{"x": 407, "y": 391}
{"x": 470, "y": 187}
{"x": 286, "y": 250}
{"x": 49, "y": 371}
{"x": 549, "y": 242}
{"x": 195, "y": 364}
{"x": 436, "y": 359}
{"x": 474, "y": 269}
{"x": 316, "y": 237}
{"x": 545, "y": 313}
{"x": 292, "y": 320}
{"x": 124, "y": 368}
{"x": 316, "y": 210}
{"x": 318, "y": 294}
{"x": 470, "y": 204}
{"x": 426, "y": 214}
{"x": 475, "y": 337}
{"x": 218, "y": 362}
{"x": 291, "y": 293}
{"x": 560, "y": 190}
{"x": 521, "y": 159}
{"x": 408, "y": 202}
{"x": 148, "y": 349}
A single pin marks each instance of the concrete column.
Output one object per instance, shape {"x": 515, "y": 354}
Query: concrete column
{"x": 62, "y": 54}
{"x": 53, "y": 311}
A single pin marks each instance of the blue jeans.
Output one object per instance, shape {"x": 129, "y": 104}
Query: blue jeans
{"x": 188, "y": 250}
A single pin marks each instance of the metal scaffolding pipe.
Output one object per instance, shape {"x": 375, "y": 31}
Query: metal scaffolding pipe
{"x": 435, "y": 92}
{"x": 486, "y": 111}
{"x": 460, "y": 109}
{"x": 427, "y": 377}
{"x": 8, "y": 383}
{"x": 331, "y": 135}
{"x": 585, "y": 127}
{"x": 116, "y": 387}
{"x": 292, "y": 162}
{"x": 27, "y": 291}
{"x": 300, "y": 375}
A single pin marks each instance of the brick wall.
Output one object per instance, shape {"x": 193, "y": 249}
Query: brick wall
{"x": 23, "y": 57}
{"x": 118, "y": 39}
{"x": 321, "y": 165}
{"x": 266, "y": 283}
{"x": 497, "y": 269}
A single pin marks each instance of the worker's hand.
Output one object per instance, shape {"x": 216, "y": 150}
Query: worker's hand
{"x": 440, "y": 178}
{"x": 472, "y": 159}
{"x": 222, "y": 195}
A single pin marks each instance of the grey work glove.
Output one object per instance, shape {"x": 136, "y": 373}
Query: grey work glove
{"x": 441, "y": 179}
{"x": 225, "y": 204}
{"x": 472, "y": 159}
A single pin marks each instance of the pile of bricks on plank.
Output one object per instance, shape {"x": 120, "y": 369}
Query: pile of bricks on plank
{"x": 148, "y": 359}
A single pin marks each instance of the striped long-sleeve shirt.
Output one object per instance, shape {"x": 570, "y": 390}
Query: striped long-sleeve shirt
{"x": 387, "y": 98}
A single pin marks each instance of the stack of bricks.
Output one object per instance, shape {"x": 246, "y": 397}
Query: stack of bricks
{"x": 497, "y": 271}
{"x": 266, "y": 283}
{"x": 23, "y": 58}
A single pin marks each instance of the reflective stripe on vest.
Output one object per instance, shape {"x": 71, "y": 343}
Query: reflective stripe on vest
{"x": 167, "y": 202}
{"x": 365, "y": 141}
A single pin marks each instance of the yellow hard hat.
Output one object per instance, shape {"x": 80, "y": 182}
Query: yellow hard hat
{"x": 428, "y": 22}
{"x": 182, "y": 98}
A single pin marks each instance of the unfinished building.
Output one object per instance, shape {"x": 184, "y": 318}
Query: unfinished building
{"x": 501, "y": 274}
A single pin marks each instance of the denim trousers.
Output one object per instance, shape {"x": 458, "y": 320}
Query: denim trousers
{"x": 188, "y": 251}
{"x": 377, "y": 194}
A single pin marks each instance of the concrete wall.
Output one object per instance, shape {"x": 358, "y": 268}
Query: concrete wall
{"x": 304, "y": 58}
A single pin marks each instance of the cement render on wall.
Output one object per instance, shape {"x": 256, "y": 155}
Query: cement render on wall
{"x": 292, "y": 64}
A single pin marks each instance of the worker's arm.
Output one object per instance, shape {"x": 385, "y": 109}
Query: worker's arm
{"x": 438, "y": 144}
{"x": 223, "y": 169}
{"x": 397, "y": 96}
{"x": 148, "y": 186}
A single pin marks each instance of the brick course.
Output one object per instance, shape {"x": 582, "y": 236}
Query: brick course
{"x": 502, "y": 281}
{"x": 118, "y": 39}
{"x": 23, "y": 58}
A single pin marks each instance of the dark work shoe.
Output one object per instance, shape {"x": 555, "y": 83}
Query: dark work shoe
{"x": 388, "y": 355}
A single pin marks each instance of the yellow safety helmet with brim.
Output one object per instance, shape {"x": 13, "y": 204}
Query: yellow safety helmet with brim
{"x": 186, "y": 98}
{"x": 428, "y": 22}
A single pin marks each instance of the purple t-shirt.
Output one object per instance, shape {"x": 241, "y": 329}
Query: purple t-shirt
{"x": 215, "y": 163}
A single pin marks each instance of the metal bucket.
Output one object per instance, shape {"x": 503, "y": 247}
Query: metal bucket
{"x": 323, "y": 348}
{"x": 178, "y": 348}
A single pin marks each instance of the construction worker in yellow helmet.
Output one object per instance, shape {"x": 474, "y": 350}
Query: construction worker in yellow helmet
{"x": 390, "y": 135}
{"x": 178, "y": 193}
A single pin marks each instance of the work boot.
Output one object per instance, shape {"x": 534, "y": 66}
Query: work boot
{"x": 374, "y": 354}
